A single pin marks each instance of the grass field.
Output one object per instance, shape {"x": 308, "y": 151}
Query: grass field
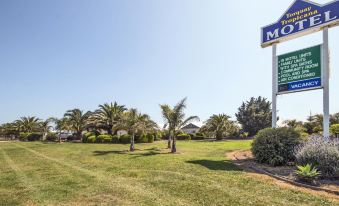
{"x": 94, "y": 174}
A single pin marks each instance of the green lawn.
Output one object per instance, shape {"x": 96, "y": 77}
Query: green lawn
{"x": 95, "y": 174}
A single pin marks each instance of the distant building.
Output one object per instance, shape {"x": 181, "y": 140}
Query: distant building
{"x": 190, "y": 129}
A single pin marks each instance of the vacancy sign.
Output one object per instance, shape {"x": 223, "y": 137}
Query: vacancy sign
{"x": 300, "y": 70}
{"x": 303, "y": 17}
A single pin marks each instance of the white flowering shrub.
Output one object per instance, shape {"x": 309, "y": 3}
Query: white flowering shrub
{"x": 321, "y": 153}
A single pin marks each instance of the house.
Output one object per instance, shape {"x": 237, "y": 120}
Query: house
{"x": 190, "y": 129}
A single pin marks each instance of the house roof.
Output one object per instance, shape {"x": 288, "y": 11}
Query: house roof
{"x": 191, "y": 126}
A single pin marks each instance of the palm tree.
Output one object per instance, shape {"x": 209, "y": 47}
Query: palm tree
{"x": 61, "y": 125}
{"x": 77, "y": 120}
{"x": 135, "y": 122}
{"x": 220, "y": 126}
{"x": 9, "y": 130}
{"x": 28, "y": 124}
{"x": 293, "y": 123}
{"x": 45, "y": 127}
{"x": 175, "y": 120}
{"x": 107, "y": 116}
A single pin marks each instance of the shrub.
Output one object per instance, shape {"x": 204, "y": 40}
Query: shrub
{"x": 183, "y": 136}
{"x": 115, "y": 139}
{"x": 243, "y": 135}
{"x": 324, "y": 154}
{"x": 71, "y": 138}
{"x": 307, "y": 173}
{"x": 335, "y": 130}
{"x": 125, "y": 139}
{"x": 27, "y": 136}
{"x": 275, "y": 146}
{"x": 34, "y": 137}
{"x": 91, "y": 139}
{"x": 150, "y": 138}
{"x": 104, "y": 138}
{"x": 198, "y": 136}
{"x": 52, "y": 137}
{"x": 141, "y": 139}
{"x": 158, "y": 136}
{"x": 23, "y": 136}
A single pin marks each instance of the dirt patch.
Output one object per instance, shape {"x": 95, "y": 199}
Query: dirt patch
{"x": 244, "y": 159}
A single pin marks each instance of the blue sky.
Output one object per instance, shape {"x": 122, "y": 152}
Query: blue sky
{"x": 57, "y": 55}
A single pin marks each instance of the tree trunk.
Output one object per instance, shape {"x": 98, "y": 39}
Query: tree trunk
{"x": 132, "y": 144}
{"x": 109, "y": 130}
{"x": 174, "y": 146}
{"x": 169, "y": 142}
{"x": 79, "y": 135}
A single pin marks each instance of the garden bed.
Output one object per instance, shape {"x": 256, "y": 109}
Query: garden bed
{"x": 245, "y": 160}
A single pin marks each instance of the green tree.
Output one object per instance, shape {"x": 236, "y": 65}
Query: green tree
{"x": 61, "y": 125}
{"x": 77, "y": 121}
{"x": 28, "y": 124}
{"x": 220, "y": 126}
{"x": 107, "y": 116}
{"x": 175, "y": 120}
{"x": 134, "y": 122}
{"x": 45, "y": 127}
{"x": 254, "y": 115}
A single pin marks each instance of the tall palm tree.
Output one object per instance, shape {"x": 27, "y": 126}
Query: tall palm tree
{"x": 28, "y": 124}
{"x": 107, "y": 116}
{"x": 175, "y": 120}
{"x": 135, "y": 122}
{"x": 220, "y": 126}
{"x": 77, "y": 120}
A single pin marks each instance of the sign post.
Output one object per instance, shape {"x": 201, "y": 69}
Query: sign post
{"x": 326, "y": 76}
{"x": 274, "y": 86}
{"x": 305, "y": 69}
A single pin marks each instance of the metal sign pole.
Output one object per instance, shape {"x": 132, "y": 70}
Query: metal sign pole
{"x": 274, "y": 86}
{"x": 326, "y": 105}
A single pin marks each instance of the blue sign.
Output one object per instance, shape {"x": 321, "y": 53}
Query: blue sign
{"x": 301, "y": 85}
{"x": 302, "y": 18}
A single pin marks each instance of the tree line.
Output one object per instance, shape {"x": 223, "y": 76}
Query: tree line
{"x": 252, "y": 116}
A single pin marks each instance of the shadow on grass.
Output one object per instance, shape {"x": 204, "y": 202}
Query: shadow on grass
{"x": 223, "y": 165}
{"x": 137, "y": 153}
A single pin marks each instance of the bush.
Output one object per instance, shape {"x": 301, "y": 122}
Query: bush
{"x": 158, "y": 136}
{"x": 52, "y": 137}
{"x": 198, "y": 136}
{"x": 125, "y": 139}
{"x": 71, "y": 138}
{"x": 115, "y": 139}
{"x": 335, "y": 130}
{"x": 27, "y": 136}
{"x": 321, "y": 153}
{"x": 141, "y": 139}
{"x": 183, "y": 136}
{"x": 23, "y": 136}
{"x": 150, "y": 138}
{"x": 91, "y": 139}
{"x": 275, "y": 146}
{"x": 104, "y": 138}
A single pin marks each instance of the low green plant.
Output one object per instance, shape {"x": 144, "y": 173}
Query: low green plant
{"x": 335, "y": 130}
{"x": 91, "y": 139}
{"x": 104, "y": 138}
{"x": 244, "y": 135}
{"x": 115, "y": 139}
{"x": 150, "y": 138}
{"x": 125, "y": 139}
{"x": 51, "y": 137}
{"x": 307, "y": 173}
{"x": 183, "y": 136}
{"x": 198, "y": 136}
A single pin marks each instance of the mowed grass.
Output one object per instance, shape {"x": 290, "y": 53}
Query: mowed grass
{"x": 96, "y": 174}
